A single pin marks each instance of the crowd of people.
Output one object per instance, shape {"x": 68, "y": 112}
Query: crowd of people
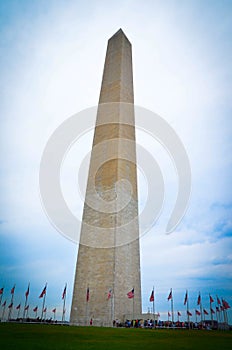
{"x": 151, "y": 324}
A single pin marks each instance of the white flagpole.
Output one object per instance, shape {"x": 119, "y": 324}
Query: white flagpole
{"x": 154, "y": 304}
{"x": 3, "y": 311}
{"x": 112, "y": 304}
{"x": 27, "y": 311}
{"x": 172, "y": 307}
{"x": 188, "y": 310}
{"x": 201, "y": 310}
{"x": 19, "y": 311}
{"x": 25, "y": 305}
{"x": 24, "y": 311}
{"x": 12, "y": 301}
{"x": 45, "y": 312}
{"x": 210, "y": 306}
{"x": 86, "y": 306}
{"x": 133, "y": 303}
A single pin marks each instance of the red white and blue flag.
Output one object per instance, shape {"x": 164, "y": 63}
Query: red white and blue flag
{"x": 27, "y": 291}
{"x": 211, "y": 299}
{"x": 170, "y": 295}
{"x": 186, "y": 297}
{"x": 131, "y": 294}
{"x": 87, "y": 294}
{"x": 225, "y": 304}
{"x": 43, "y": 292}
{"x": 64, "y": 292}
{"x": 109, "y": 294}
{"x": 152, "y": 298}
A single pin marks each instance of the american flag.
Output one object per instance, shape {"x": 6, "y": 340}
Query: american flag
{"x": 43, "y": 292}
{"x": 170, "y": 295}
{"x": 131, "y": 294}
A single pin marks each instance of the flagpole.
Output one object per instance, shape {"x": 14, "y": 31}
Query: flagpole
{"x": 3, "y": 311}
{"x": 188, "y": 310}
{"x": 18, "y": 311}
{"x": 86, "y": 305}
{"x": 43, "y": 307}
{"x": 24, "y": 311}
{"x": 210, "y": 305}
{"x": 172, "y": 308}
{"x": 27, "y": 311}
{"x": 201, "y": 310}
{"x": 64, "y": 297}
{"x": 154, "y": 304}
{"x": 219, "y": 310}
{"x": 112, "y": 305}
{"x": 12, "y": 302}
{"x": 63, "y": 314}
{"x": 111, "y": 302}
{"x": 217, "y": 316}
{"x": 110, "y": 308}
{"x": 133, "y": 303}
{"x": 44, "y": 297}
{"x": 25, "y": 305}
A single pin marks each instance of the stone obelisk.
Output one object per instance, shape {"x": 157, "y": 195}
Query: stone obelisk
{"x": 108, "y": 262}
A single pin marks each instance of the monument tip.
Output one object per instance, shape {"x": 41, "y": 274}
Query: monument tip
{"x": 120, "y": 32}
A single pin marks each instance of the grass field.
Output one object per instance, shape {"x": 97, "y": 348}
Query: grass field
{"x": 46, "y": 337}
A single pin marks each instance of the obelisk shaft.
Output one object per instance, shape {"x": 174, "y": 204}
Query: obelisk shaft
{"x": 109, "y": 256}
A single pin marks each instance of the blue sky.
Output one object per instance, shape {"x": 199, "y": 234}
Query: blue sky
{"x": 52, "y": 56}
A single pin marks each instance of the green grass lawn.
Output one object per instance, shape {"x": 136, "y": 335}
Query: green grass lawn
{"x": 44, "y": 337}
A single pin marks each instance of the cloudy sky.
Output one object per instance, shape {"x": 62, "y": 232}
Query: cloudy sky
{"x": 51, "y": 63}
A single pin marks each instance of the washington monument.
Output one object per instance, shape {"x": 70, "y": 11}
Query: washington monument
{"x": 108, "y": 262}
